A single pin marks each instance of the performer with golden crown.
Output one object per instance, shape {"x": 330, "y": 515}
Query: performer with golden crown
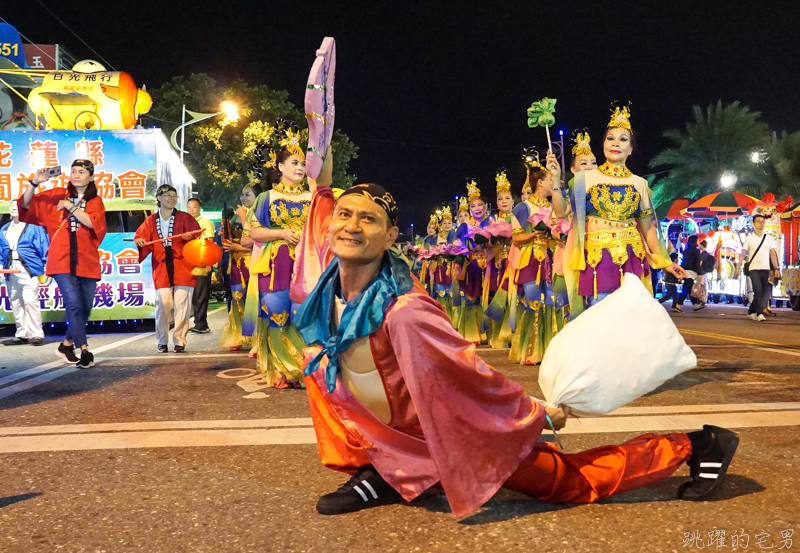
{"x": 471, "y": 324}
{"x": 280, "y": 214}
{"x": 582, "y": 157}
{"x": 495, "y": 303}
{"x": 544, "y": 305}
{"x": 427, "y": 264}
{"x": 442, "y": 267}
{"x": 458, "y": 302}
{"x": 238, "y": 268}
{"x": 614, "y": 229}
{"x": 463, "y": 211}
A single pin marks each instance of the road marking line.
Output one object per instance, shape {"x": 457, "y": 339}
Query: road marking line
{"x": 170, "y": 356}
{"x": 27, "y": 384}
{"x": 664, "y": 423}
{"x": 725, "y": 408}
{"x": 306, "y": 435}
{"x": 274, "y": 431}
{"x": 35, "y": 381}
{"x": 731, "y": 338}
{"x": 30, "y": 372}
{"x": 154, "y": 425}
{"x": 166, "y": 438}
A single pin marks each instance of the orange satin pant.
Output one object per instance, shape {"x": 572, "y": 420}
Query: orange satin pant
{"x": 547, "y": 474}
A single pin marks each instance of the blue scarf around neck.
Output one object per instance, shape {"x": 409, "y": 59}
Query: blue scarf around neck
{"x": 363, "y": 315}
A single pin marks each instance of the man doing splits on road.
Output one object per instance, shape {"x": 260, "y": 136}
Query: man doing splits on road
{"x": 401, "y": 401}
{"x": 172, "y": 274}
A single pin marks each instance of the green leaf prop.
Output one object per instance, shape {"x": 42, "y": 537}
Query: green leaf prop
{"x": 540, "y": 114}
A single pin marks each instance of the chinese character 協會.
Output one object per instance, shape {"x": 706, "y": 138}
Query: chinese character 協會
{"x": 132, "y": 185}
{"x": 105, "y": 185}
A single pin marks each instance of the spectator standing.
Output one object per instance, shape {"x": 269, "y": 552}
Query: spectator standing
{"x": 202, "y": 292}
{"x": 707, "y": 263}
{"x": 670, "y": 284}
{"x": 24, "y": 247}
{"x": 75, "y": 219}
{"x": 760, "y": 250}
{"x": 690, "y": 264}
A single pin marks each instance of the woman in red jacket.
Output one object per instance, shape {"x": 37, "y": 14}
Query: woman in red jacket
{"x": 172, "y": 274}
{"x": 75, "y": 219}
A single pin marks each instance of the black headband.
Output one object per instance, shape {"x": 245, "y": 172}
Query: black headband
{"x": 164, "y": 188}
{"x": 377, "y": 194}
{"x": 85, "y": 163}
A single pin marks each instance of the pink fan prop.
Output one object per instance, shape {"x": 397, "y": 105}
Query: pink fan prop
{"x": 319, "y": 105}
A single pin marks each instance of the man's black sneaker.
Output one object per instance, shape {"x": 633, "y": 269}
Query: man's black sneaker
{"x": 199, "y": 330}
{"x": 364, "y": 490}
{"x": 37, "y": 341}
{"x": 708, "y": 467}
{"x": 17, "y": 341}
{"x": 67, "y": 353}
{"x": 180, "y": 349}
{"x": 163, "y": 348}
{"x": 87, "y": 359}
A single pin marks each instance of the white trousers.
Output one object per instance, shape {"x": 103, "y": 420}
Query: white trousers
{"x": 25, "y": 306}
{"x": 178, "y": 298}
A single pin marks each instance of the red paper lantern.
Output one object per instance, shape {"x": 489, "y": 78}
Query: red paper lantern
{"x": 202, "y": 253}
{"x": 711, "y": 233}
{"x": 727, "y": 228}
{"x": 702, "y": 236}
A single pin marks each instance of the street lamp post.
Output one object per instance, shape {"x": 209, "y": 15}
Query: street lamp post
{"x": 558, "y": 151}
{"x": 228, "y": 108}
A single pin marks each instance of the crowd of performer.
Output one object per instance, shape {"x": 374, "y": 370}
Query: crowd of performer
{"x": 399, "y": 398}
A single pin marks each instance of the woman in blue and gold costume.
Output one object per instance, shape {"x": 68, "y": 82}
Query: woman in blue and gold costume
{"x": 496, "y": 302}
{"x": 544, "y": 303}
{"x": 280, "y": 214}
{"x": 614, "y": 229}
{"x": 427, "y": 264}
{"x": 442, "y": 268}
{"x": 471, "y": 273}
{"x": 238, "y": 269}
{"x": 458, "y": 302}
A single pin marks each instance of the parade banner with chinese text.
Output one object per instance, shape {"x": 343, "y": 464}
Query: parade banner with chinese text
{"x": 125, "y": 161}
{"x": 126, "y": 290}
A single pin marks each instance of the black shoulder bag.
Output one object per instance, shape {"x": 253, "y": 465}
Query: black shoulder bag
{"x": 755, "y": 253}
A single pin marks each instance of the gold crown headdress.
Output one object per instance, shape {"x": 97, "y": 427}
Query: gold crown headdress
{"x": 434, "y": 220}
{"x": 445, "y": 215}
{"x": 291, "y": 141}
{"x": 620, "y": 119}
{"x": 463, "y": 205}
{"x": 473, "y": 192}
{"x": 582, "y": 146}
{"x": 503, "y": 184}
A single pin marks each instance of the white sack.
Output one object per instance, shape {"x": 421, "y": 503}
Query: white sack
{"x": 616, "y": 351}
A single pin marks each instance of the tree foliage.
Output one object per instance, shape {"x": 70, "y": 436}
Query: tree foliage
{"x": 719, "y": 140}
{"x": 784, "y": 159}
{"x": 220, "y": 151}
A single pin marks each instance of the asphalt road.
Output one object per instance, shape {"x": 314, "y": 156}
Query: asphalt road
{"x": 171, "y": 453}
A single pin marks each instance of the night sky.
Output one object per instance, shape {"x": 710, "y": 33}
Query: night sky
{"x": 435, "y": 92}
